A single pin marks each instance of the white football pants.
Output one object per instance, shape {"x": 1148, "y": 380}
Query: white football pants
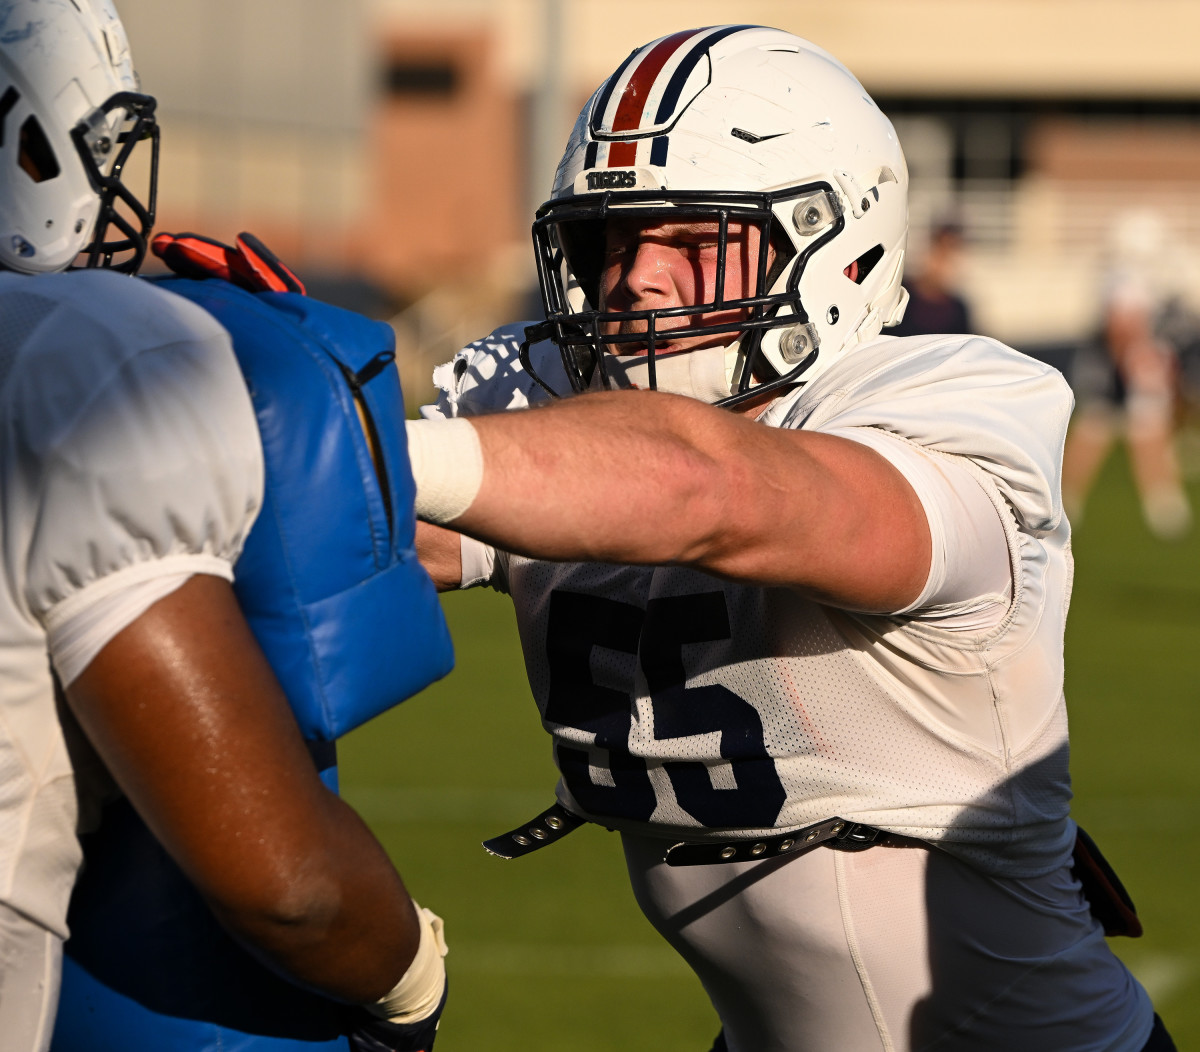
{"x": 892, "y": 950}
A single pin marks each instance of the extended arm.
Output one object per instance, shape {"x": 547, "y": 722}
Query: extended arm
{"x": 648, "y": 478}
{"x": 186, "y": 713}
{"x": 440, "y": 553}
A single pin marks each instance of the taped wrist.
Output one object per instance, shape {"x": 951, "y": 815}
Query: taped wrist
{"x": 419, "y": 992}
{"x": 447, "y": 466}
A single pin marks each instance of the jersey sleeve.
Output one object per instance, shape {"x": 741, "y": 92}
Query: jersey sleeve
{"x": 970, "y": 573}
{"x": 966, "y": 396}
{"x": 140, "y": 465}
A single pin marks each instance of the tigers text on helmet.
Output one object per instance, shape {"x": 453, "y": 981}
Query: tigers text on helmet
{"x": 733, "y": 128}
{"x": 70, "y": 116}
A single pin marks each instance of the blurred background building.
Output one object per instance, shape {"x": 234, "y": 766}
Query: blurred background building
{"x": 393, "y": 149}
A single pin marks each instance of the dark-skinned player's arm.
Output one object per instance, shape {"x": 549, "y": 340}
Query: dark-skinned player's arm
{"x": 649, "y": 478}
{"x": 185, "y": 711}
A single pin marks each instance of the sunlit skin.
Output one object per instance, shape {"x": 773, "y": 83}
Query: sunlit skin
{"x": 652, "y": 265}
{"x": 714, "y": 490}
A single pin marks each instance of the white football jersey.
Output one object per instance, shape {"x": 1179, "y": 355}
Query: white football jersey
{"x": 129, "y": 460}
{"x": 683, "y": 705}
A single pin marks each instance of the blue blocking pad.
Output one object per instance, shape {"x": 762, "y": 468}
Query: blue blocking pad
{"x": 350, "y": 622}
{"x": 329, "y": 579}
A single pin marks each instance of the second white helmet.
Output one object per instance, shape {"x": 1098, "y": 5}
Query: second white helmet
{"x": 70, "y": 115}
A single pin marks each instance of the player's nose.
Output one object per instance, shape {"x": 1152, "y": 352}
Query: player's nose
{"x": 647, "y": 273}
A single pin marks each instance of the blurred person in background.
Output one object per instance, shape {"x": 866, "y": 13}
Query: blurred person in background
{"x": 1127, "y": 384}
{"x": 131, "y": 481}
{"x": 935, "y": 304}
{"x": 791, "y": 593}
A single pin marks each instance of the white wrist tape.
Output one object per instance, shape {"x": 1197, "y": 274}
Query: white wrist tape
{"x": 447, "y": 466}
{"x": 419, "y": 990}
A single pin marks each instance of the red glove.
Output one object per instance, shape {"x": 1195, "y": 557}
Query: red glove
{"x": 250, "y": 265}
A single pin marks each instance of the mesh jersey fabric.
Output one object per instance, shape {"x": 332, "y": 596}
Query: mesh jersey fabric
{"x": 686, "y": 706}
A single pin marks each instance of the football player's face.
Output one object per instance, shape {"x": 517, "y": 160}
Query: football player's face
{"x": 651, "y": 265}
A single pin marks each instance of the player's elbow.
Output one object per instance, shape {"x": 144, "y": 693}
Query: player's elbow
{"x": 280, "y": 909}
{"x": 704, "y": 495}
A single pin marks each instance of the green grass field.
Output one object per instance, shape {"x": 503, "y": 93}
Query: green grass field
{"x": 549, "y": 952}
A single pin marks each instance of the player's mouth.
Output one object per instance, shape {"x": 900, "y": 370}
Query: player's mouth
{"x": 667, "y": 339}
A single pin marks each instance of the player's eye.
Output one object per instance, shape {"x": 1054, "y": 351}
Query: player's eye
{"x": 618, "y": 244}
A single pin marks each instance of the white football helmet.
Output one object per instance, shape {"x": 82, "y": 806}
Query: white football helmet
{"x": 70, "y": 115}
{"x": 738, "y": 123}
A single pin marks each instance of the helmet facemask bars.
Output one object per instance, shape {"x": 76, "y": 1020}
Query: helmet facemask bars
{"x": 569, "y": 238}
{"x": 95, "y": 145}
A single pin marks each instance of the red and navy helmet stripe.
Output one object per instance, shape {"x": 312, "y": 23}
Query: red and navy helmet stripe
{"x": 651, "y": 80}
{"x": 633, "y": 99}
{"x": 670, "y": 99}
{"x": 622, "y": 154}
{"x": 609, "y": 86}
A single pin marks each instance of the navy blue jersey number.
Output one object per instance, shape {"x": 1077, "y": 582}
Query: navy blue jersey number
{"x": 579, "y": 623}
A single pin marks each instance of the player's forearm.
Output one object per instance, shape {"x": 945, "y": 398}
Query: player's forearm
{"x": 611, "y": 478}
{"x": 440, "y": 552}
{"x": 191, "y": 722}
{"x": 340, "y": 923}
{"x": 654, "y": 479}
{"x": 646, "y": 479}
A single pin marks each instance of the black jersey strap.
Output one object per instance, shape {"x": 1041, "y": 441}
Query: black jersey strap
{"x": 552, "y": 824}
{"x": 1106, "y": 896}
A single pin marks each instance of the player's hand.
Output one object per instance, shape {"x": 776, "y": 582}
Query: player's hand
{"x": 379, "y": 1035}
{"x": 249, "y": 264}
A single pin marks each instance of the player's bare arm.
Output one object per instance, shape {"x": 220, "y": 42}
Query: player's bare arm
{"x": 690, "y": 484}
{"x": 190, "y": 720}
{"x": 440, "y": 551}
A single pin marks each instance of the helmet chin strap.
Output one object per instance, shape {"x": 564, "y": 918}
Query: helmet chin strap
{"x": 705, "y": 374}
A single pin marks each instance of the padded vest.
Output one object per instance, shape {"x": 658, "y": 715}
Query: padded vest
{"x": 331, "y": 586}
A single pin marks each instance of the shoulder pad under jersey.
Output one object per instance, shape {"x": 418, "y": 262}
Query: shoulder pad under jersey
{"x": 486, "y": 376}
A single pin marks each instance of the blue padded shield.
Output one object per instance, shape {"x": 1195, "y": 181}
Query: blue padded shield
{"x": 329, "y": 579}
{"x": 351, "y": 624}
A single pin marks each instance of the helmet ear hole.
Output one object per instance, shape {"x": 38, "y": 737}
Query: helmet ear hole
{"x": 36, "y": 157}
{"x": 858, "y": 270}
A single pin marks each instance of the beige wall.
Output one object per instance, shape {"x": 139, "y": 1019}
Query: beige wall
{"x": 263, "y": 105}
{"x": 444, "y": 186}
{"x": 960, "y": 46}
